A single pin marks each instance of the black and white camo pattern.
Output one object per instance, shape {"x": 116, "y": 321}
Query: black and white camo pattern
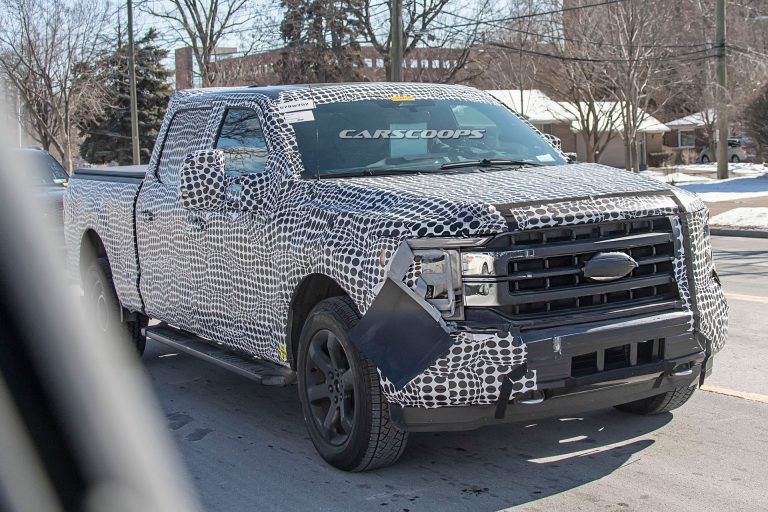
{"x": 203, "y": 181}
{"x": 230, "y": 274}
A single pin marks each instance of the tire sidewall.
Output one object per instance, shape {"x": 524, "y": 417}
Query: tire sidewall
{"x": 348, "y": 455}
{"x": 98, "y": 287}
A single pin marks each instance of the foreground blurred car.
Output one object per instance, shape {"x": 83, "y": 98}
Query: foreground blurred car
{"x": 740, "y": 149}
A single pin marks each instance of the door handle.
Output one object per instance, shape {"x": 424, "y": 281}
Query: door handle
{"x": 147, "y": 215}
{"x": 196, "y": 224}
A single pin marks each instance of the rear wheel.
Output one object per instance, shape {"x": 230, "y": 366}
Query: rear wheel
{"x": 705, "y": 159}
{"x": 344, "y": 408}
{"x": 104, "y": 308}
{"x": 658, "y": 404}
{"x": 735, "y": 159}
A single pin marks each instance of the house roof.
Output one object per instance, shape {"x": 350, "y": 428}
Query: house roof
{"x": 536, "y": 106}
{"x": 610, "y": 115}
{"x": 696, "y": 120}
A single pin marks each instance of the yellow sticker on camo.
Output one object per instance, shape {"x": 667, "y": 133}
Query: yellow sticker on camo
{"x": 283, "y": 352}
{"x": 402, "y": 98}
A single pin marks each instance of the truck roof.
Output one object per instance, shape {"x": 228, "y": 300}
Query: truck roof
{"x": 274, "y": 91}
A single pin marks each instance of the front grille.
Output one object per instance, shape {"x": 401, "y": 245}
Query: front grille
{"x": 540, "y": 271}
{"x": 614, "y": 358}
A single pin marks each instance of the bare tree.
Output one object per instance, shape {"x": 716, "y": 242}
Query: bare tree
{"x": 559, "y": 53}
{"x": 430, "y": 24}
{"x": 47, "y": 48}
{"x": 204, "y": 24}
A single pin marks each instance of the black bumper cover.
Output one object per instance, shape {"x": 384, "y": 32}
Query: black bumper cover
{"x": 550, "y": 352}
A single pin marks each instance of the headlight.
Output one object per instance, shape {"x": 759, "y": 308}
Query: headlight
{"x": 437, "y": 278}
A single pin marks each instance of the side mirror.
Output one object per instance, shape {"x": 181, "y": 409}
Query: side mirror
{"x": 203, "y": 183}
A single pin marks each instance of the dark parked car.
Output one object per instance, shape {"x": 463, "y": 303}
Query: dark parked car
{"x": 52, "y": 180}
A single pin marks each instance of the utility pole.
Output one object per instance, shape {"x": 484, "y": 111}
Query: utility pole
{"x": 396, "y": 36}
{"x": 722, "y": 94}
{"x": 132, "y": 84}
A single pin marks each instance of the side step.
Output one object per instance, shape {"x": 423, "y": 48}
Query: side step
{"x": 263, "y": 372}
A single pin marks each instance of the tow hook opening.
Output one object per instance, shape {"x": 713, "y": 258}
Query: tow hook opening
{"x": 682, "y": 370}
{"x": 531, "y": 398}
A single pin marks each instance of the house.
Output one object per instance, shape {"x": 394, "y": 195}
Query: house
{"x": 543, "y": 113}
{"x": 651, "y": 133}
{"x": 689, "y": 132}
{"x": 561, "y": 119}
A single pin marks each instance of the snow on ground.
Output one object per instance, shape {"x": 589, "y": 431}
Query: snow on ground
{"x": 713, "y": 191}
{"x": 749, "y": 218}
{"x": 673, "y": 178}
{"x": 739, "y": 168}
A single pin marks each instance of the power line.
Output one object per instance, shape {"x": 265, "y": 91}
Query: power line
{"x": 567, "y": 39}
{"x": 600, "y": 60}
{"x": 537, "y": 14}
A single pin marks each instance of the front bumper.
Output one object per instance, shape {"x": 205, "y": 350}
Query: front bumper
{"x": 622, "y": 387}
{"x": 568, "y": 369}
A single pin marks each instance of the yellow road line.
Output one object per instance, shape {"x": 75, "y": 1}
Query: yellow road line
{"x": 751, "y": 298}
{"x": 755, "y": 397}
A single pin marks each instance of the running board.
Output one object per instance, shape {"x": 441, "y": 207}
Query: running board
{"x": 263, "y": 372}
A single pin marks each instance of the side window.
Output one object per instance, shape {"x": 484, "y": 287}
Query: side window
{"x": 242, "y": 140}
{"x": 185, "y": 134}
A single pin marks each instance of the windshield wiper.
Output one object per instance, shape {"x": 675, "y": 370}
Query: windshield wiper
{"x": 373, "y": 172}
{"x": 485, "y": 163}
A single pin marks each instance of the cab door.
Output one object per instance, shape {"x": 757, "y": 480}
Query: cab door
{"x": 233, "y": 252}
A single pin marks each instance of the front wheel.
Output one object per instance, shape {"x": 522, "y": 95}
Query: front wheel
{"x": 705, "y": 159}
{"x": 735, "y": 159}
{"x": 344, "y": 408}
{"x": 658, "y": 404}
{"x": 104, "y": 309}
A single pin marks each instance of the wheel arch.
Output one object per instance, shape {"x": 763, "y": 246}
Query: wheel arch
{"x": 312, "y": 289}
{"x": 91, "y": 248}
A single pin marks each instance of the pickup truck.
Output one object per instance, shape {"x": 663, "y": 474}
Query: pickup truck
{"x": 415, "y": 257}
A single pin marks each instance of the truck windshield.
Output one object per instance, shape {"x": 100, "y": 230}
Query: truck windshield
{"x": 401, "y": 134}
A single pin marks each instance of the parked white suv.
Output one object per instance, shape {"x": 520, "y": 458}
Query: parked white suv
{"x": 740, "y": 149}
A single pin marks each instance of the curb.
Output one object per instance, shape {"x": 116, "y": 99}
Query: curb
{"x": 746, "y": 233}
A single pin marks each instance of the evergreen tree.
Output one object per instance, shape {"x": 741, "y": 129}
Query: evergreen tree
{"x": 108, "y": 138}
{"x": 321, "y": 39}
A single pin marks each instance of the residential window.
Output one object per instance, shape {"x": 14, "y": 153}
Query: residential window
{"x": 368, "y": 63}
{"x": 379, "y": 63}
{"x": 424, "y": 63}
{"x": 436, "y": 64}
{"x": 686, "y": 139}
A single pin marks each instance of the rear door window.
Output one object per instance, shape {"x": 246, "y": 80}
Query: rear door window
{"x": 187, "y": 133}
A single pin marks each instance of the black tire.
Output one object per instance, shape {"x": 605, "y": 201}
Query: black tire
{"x": 735, "y": 159}
{"x": 350, "y": 428}
{"x": 705, "y": 159}
{"x": 104, "y": 307}
{"x": 658, "y": 404}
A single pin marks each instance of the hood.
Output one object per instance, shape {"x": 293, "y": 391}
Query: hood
{"x": 474, "y": 203}
{"x": 509, "y": 187}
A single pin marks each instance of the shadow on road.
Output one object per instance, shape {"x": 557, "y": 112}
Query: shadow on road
{"x": 740, "y": 263}
{"x": 247, "y": 449}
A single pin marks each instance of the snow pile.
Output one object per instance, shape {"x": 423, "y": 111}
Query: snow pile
{"x": 738, "y": 168}
{"x": 674, "y": 178}
{"x": 713, "y": 191}
{"x": 745, "y": 218}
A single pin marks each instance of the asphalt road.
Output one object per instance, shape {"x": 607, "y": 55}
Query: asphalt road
{"x": 246, "y": 447}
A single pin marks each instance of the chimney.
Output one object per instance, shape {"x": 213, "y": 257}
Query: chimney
{"x": 184, "y": 76}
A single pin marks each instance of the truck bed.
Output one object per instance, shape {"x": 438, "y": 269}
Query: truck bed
{"x": 101, "y": 201}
